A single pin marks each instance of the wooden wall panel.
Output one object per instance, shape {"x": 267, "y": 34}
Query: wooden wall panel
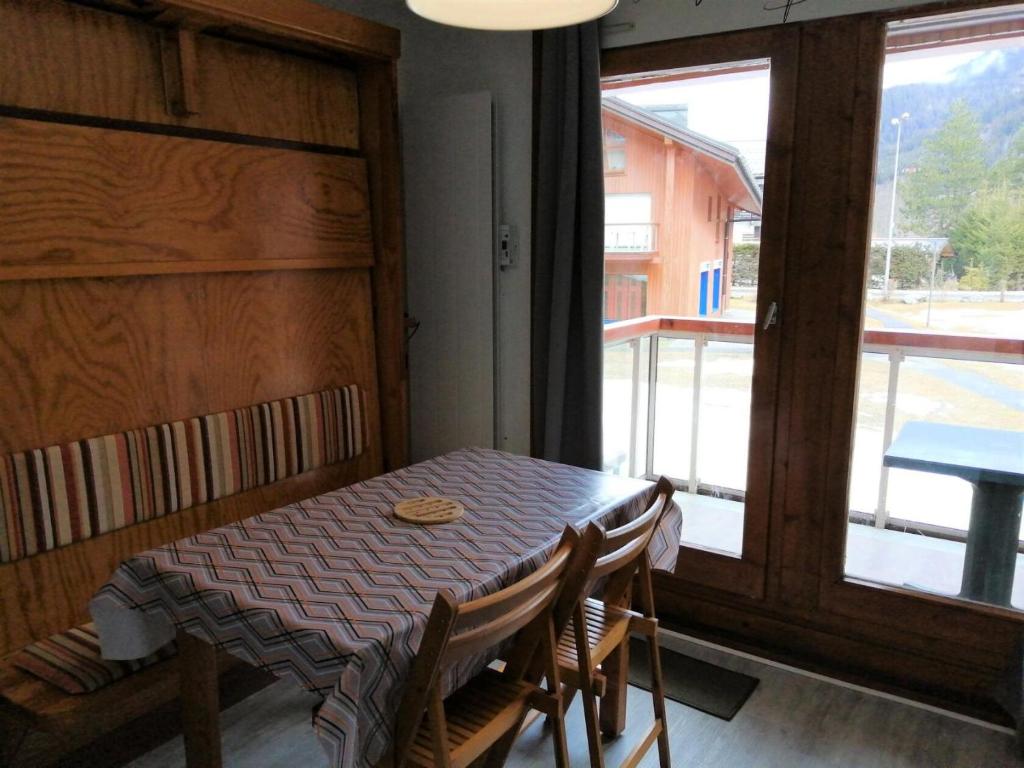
{"x": 242, "y": 88}
{"x": 269, "y": 335}
{"x": 295, "y": 22}
{"x": 90, "y": 357}
{"x": 259, "y": 92}
{"x": 82, "y": 358}
{"x": 79, "y": 200}
{"x": 378, "y": 103}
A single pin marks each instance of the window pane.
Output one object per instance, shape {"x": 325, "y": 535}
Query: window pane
{"x": 940, "y": 424}
{"x": 682, "y": 232}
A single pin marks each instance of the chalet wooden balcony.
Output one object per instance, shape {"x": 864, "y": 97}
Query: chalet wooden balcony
{"x": 639, "y": 238}
{"x": 677, "y": 399}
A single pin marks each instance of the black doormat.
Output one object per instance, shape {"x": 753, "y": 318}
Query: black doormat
{"x": 695, "y": 683}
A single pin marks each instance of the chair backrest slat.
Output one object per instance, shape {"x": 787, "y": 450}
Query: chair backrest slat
{"x": 623, "y": 546}
{"x": 486, "y": 609}
{"x": 488, "y": 635}
{"x": 492, "y": 619}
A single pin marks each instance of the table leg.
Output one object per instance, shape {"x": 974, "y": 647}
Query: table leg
{"x": 200, "y": 701}
{"x": 613, "y": 703}
{"x": 991, "y": 555}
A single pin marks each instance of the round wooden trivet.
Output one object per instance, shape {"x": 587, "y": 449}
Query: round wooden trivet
{"x": 428, "y": 510}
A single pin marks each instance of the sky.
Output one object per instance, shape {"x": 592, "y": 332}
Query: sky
{"x": 925, "y": 67}
{"x": 733, "y": 108}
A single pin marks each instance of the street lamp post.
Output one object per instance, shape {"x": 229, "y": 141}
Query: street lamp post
{"x": 898, "y": 122}
{"x": 931, "y": 288}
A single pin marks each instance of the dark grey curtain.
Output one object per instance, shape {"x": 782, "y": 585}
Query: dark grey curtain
{"x": 568, "y": 255}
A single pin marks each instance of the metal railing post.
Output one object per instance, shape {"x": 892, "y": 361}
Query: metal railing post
{"x": 634, "y": 405}
{"x": 652, "y": 393}
{"x": 895, "y": 358}
{"x": 699, "y": 340}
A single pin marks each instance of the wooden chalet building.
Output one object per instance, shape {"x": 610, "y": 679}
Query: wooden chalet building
{"x": 670, "y": 197}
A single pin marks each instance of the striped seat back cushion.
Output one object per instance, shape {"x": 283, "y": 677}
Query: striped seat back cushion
{"x": 51, "y": 497}
{"x": 71, "y": 661}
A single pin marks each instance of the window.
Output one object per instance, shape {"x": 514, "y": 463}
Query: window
{"x": 945, "y": 258}
{"x": 614, "y": 152}
{"x": 825, "y": 573}
{"x": 627, "y": 225}
{"x": 692, "y": 166}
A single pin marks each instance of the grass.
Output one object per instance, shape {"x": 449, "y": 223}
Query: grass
{"x": 990, "y": 318}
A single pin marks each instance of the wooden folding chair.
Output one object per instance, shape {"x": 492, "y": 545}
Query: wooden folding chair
{"x": 600, "y": 626}
{"x": 453, "y": 732}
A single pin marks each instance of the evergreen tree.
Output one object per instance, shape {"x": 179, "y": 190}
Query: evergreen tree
{"x": 951, "y": 170}
{"x": 991, "y": 235}
{"x": 744, "y": 263}
{"x": 909, "y": 268}
{"x": 1010, "y": 169}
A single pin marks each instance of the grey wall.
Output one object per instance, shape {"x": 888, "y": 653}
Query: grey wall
{"x": 642, "y": 21}
{"x": 442, "y": 61}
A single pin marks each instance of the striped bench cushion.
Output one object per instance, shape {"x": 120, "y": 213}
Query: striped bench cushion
{"x": 51, "y": 497}
{"x": 71, "y": 661}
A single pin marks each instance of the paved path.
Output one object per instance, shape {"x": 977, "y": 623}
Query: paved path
{"x": 890, "y": 322}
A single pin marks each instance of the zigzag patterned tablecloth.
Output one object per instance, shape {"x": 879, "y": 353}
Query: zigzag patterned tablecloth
{"x": 334, "y": 591}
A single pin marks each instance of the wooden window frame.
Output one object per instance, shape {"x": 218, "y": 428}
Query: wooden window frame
{"x": 937, "y": 649}
{"x": 745, "y": 575}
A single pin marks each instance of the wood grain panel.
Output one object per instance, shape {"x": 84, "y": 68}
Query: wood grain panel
{"x": 378, "y": 99}
{"x": 301, "y": 99}
{"x": 93, "y": 62}
{"x": 297, "y": 21}
{"x": 50, "y": 592}
{"x": 816, "y": 269}
{"x": 74, "y": 196}
{"x": 276, "y": 334}
{"x": 90, "y": 357}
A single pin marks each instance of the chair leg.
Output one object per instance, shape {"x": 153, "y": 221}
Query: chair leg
{"x": 568, "y": 696}
{"x": 590, "y": 715}
{"x": 561, "y": 743}
{"x": 658, "y": 696}
{"x": 585, "y": 665}
{"x": 613, "y": 706}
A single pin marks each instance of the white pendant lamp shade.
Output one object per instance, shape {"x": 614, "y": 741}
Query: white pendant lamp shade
{"x": 511, "y": 14}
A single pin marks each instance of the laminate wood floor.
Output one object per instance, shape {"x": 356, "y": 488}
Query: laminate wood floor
{"x": 790, "y": 721}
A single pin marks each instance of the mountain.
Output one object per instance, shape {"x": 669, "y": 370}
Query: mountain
{"x": 992, "y": 85}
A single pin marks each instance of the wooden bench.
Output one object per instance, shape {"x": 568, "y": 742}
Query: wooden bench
{"x": 48, "y": 591}
{"x": 40, "y": 725}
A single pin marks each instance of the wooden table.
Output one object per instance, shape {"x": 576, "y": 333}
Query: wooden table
{"x": 334, "y": 592}
{"x": 992, "y": 460}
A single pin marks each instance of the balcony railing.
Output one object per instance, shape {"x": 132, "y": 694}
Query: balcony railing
{"x": 897, "y": 347}
{"x": 631, "y": 238}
